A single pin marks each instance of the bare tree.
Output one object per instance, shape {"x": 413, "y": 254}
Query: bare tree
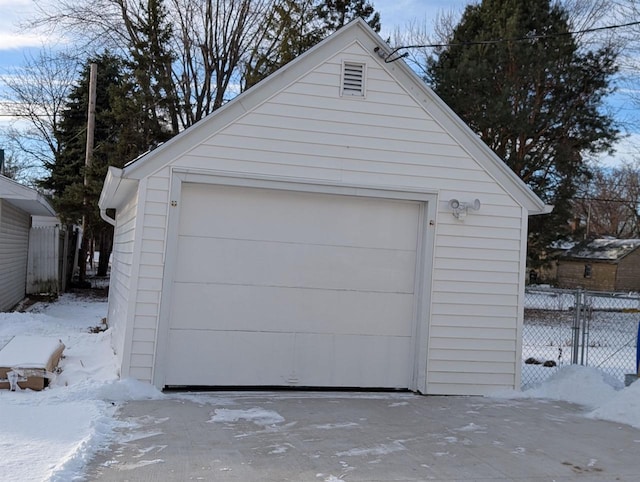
{"x": 422, "y": 35}
{"x": 624, "y": 12}
{"x": 210, "y": 39}
{"x": 609, "y": 205}
{"x": 17, "y": 164}
{"x": 588, "y": 14}
{"x": 89, "y": 26}
{"x": 34, "y": 97}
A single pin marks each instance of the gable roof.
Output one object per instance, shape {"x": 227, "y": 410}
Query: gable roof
{"x": 25, "y": 198}
{"x": 604, "y": 249}
{"x": 355, "y": 31}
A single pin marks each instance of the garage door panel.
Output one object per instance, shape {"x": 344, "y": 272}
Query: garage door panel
{"x": 287, "y": 264}
{"x": 250, "y": 358}
{"x": 245, "y": 308}
{"x": 354, "y": 361}
{"x": 374, "y": 355}
{"x": 229, "y": 358}
{"x": 269, "y": 215}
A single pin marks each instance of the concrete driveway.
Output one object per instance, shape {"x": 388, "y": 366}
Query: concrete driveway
{"x": 322, "y": 436}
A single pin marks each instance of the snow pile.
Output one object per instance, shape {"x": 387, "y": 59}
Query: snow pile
{"x": 590, "y": 388}
{"x": 128, "y": 389}
{"x": 576, "y": 384}
{"x": 623, "y": 407}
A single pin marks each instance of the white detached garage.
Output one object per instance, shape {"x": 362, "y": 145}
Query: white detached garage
{"x": 304, "y": 236}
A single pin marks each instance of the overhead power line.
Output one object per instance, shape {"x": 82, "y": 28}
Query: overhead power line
{"x": 609, "y": 200}
{"x": 392, "y": 57}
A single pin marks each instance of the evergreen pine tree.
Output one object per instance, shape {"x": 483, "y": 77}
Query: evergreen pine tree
{"x": 150, "y": 62}
{"x": 296, "y": 26}
{"x": 335, "y": 14}
{"x": 520, "y": 80}
{"x": 126, "y": 126}
{"x": 66, "y": 173}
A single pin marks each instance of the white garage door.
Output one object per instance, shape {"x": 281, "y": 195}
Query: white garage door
{"x": 281, "y": 288}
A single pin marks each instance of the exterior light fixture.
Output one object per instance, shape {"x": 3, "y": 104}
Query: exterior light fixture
{"x": 460, "y": 209}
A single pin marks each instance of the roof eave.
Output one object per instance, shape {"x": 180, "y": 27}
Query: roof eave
{"x": 116, "y": 189}
{"x": 25, "y": 198}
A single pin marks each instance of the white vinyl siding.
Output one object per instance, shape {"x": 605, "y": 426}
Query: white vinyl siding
{"x": 120, "y": 282}
{"x": 150, "y": 275}
{"x": 14, "y": 248}
{"x": 388, "y": 140}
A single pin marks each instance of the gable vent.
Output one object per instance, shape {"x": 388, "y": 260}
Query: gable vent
{"x": 353, "y": 79}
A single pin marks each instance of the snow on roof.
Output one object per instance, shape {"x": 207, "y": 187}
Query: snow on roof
{"x": 604, "y": 249}
{"x": 562, "y": 245}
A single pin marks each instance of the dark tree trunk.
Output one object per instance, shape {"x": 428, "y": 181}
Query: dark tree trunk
{"x": 106, "y": 243}
{"x": 82, "y": 260}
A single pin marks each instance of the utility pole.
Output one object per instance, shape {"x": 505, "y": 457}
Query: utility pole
{"x": 91, "y": 125}
{"x": 586, "y": 234}
{"x": 91, "y": 118}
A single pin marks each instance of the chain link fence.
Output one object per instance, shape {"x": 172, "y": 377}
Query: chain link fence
{"x": 563, "y": 327}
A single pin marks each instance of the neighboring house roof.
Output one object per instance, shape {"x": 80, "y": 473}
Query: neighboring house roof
{"x": 605, "y": 249}
{"x": 25, "y": 198}
{"x": 562, "y": 245}
{"x": 356, "y": 31}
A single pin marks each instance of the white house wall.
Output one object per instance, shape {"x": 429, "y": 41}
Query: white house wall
{"x": 120, "y": 284}
{"x": 141, "y": 231}
{"x": 149, "y": 278}
{"x": 308, "y": 131}
{"x": 14, "y": 245}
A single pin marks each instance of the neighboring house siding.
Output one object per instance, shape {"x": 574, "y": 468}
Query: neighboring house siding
{"x": 121, "y": 276}
{"x": 628, "y": 274}
{"x": 571, "y": 274}
{"x": 307, "y": 131}
{"x": 14, "y": 246}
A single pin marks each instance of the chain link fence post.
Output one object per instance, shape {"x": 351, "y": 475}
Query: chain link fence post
{"x": 575, "y": 341}
{"x": 584, "y": 345}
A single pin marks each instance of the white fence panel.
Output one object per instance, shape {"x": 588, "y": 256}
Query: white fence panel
{"x": 43, "y": 265}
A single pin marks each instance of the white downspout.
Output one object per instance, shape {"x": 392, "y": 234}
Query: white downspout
{"x": 114, "y": 175}
{"x": 110, "y": 220}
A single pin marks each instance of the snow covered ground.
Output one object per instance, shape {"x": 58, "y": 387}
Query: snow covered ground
{"x": 52, "y": 434}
